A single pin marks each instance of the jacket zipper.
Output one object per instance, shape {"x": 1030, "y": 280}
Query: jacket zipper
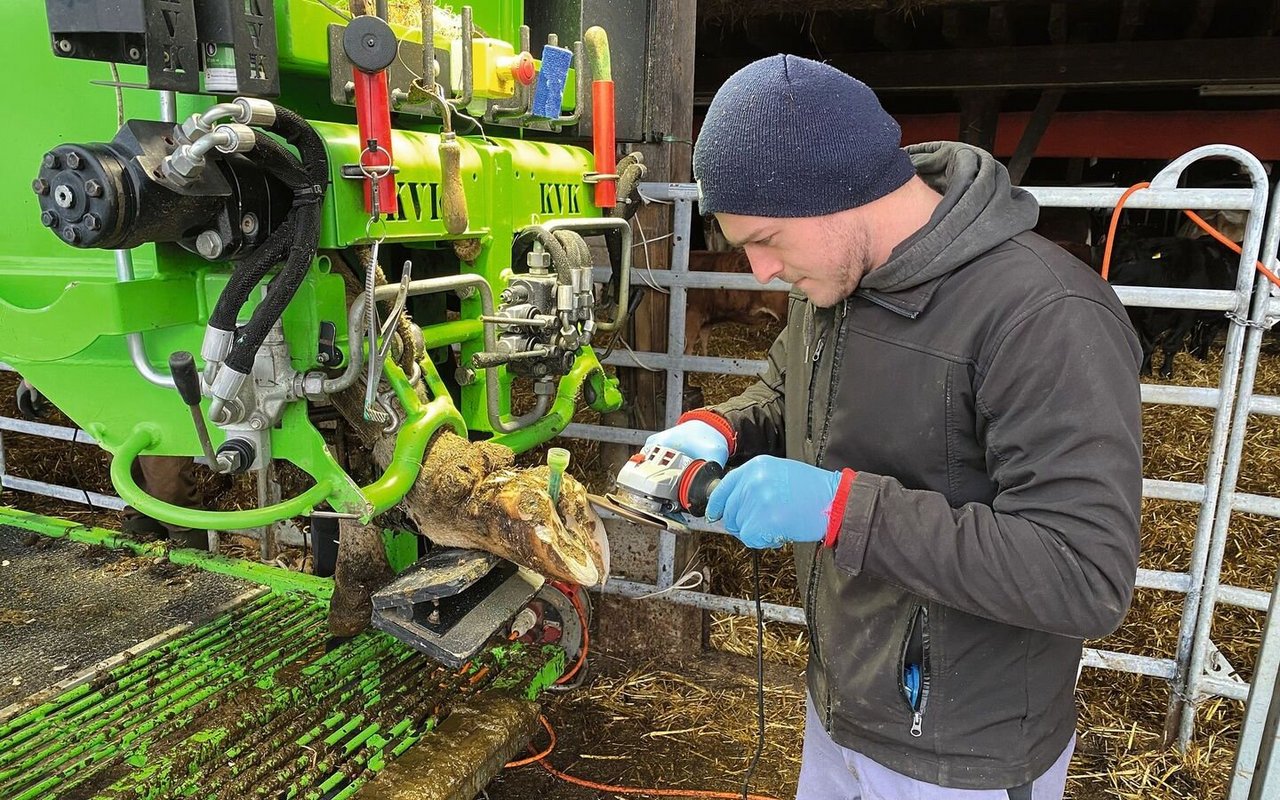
{"x": 815, "y": 362}
{"x": 917, "y": 709}
{"x": 811, "y": 618}
{"x": 815, "y": 569}
{"x": 813, "y": 381}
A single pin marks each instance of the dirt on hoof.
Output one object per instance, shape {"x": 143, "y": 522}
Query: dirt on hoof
{"x": 362, "y": 569}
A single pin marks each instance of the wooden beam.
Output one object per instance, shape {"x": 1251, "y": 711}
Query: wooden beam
{"x": 1069, "y": 66}
{"x": 979, "y": 117}
{"x": 1033, "y": 133}
{"x": 998, "y": 30}
{"x": 1201, "y": 20}
{"x": 669, "y": 124}
{"x": 1131, "y": 16}
{"x": 891, "y": 32}
{"x": 1117, "y": 134}
{"x": 1058, "y": 23}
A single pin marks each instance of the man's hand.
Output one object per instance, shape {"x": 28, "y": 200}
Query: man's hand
{"x": 770, "y": 501}
{"x": 700, "y": 434}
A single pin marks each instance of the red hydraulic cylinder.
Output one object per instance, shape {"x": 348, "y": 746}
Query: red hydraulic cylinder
{"x": 604, "y": 142}
{"x": 373, "y": 117}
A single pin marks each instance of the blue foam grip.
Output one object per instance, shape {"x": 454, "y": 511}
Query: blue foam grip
{"x": 549, "y": 91}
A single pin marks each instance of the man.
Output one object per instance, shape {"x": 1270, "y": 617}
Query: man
{"x": 948, "y": 430}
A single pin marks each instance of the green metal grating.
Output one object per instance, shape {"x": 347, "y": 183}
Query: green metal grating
{"x": 251, "y": 704}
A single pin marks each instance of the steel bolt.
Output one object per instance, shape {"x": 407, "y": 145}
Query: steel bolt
{"x": 209, "y": 244}
{"x": 92, "y": 188}
{"x": 40, "y": 186}
{"x": 51, "y": 161}
{"x": 63, "y": 196}
{"x": 73, "y": 160}
{"x": 464, "y": 376}
{"x": 92, "y": 222}
{"x": 257, "y": 422}
{"x": 70, "y": 234}
{"x": 64, "y": 46}
{"x": 135, "y": 54}
{"x": 249, "y": 224}
{"x": 48, "y": 219}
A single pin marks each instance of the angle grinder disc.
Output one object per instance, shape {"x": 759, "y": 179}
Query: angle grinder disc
{"x": 615, "y": 505}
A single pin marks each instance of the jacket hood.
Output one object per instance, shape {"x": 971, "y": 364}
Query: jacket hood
{"x": 980, "y": 209}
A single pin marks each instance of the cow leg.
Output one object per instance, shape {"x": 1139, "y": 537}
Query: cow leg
{"x": 1174, "y": 341}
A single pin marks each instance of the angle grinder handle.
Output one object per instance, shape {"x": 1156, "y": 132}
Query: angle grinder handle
{"x": 697, "y": 483}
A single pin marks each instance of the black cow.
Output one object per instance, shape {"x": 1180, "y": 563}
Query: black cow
{"x": 1179, "y": 263}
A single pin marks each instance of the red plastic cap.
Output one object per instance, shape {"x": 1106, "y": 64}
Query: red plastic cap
{"x": 524, "y": 70}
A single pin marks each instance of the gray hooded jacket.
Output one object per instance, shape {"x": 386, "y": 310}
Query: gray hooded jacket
{"x": 983, "y": 384}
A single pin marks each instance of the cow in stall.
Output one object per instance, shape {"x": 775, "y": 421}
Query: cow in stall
{"x": 1172, "y": 261}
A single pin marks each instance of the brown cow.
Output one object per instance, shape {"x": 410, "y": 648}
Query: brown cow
{"x": 709, "y": 307}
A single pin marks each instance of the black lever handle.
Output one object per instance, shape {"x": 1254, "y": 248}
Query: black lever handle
{"x": 182, "y": 365}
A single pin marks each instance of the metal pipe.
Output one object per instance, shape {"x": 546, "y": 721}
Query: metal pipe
{"x": 1225, "y": 447}
{"x": 356, "y": 337}
{"x": 168, "y": 107}
{"x": 1258, "y": 708}
{"x": 220, "y": 111}
{"x": 585, "y": 368}
{"x": 137, "y": 349}
{"x": 62, "y": 492}
{"x": 355, "y": 330}
{"x": 427, "y": 9}
{"x": 468, "y": 33}
{"x": 601, "y": 225}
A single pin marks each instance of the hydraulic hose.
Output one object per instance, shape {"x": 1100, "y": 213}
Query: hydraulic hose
{"x": 281, "y": 290}
{"x": 248, "y": 272}
{"x": 308, "y": 186}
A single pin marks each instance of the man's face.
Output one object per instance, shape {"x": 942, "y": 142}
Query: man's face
{"x": 824, "y": 257}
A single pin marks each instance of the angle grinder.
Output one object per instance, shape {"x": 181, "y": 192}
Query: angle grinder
{"x": 658, "y": 485}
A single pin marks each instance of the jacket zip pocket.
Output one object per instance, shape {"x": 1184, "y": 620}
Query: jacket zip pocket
{"x": 915, "y": 674}
{"x": 813, "y": 381}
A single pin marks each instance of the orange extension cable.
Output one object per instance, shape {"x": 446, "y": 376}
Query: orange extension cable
{"x": 1194, "y": 217}
{"x": 540, "y": 758}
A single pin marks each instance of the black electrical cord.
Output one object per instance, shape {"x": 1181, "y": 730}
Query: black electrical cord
{"x": 755, "y": 759}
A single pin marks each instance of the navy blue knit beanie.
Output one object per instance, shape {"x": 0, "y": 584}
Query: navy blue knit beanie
{"x": 789, "y": 137}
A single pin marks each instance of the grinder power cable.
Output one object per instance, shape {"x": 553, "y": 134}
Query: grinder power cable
{"x": 657, "y": 487}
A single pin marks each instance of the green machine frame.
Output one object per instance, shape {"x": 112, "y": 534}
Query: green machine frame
{"x": 82, "y": 325}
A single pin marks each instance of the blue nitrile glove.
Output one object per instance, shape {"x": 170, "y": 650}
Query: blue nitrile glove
{"x": 770, "y": 501}
{"x": 699, "y": 434}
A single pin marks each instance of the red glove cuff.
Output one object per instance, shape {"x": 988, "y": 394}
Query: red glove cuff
{"x": 835, "y": 517}
{"x": 716, "y": 421}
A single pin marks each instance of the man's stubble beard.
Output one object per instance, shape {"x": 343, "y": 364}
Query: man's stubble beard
{"x": 855, "y": 243}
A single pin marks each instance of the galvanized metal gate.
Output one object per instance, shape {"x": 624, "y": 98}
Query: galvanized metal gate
{"x": 1252, "y": 306}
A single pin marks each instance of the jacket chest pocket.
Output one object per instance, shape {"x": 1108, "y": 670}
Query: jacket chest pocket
{"x": 894, "y": 412}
